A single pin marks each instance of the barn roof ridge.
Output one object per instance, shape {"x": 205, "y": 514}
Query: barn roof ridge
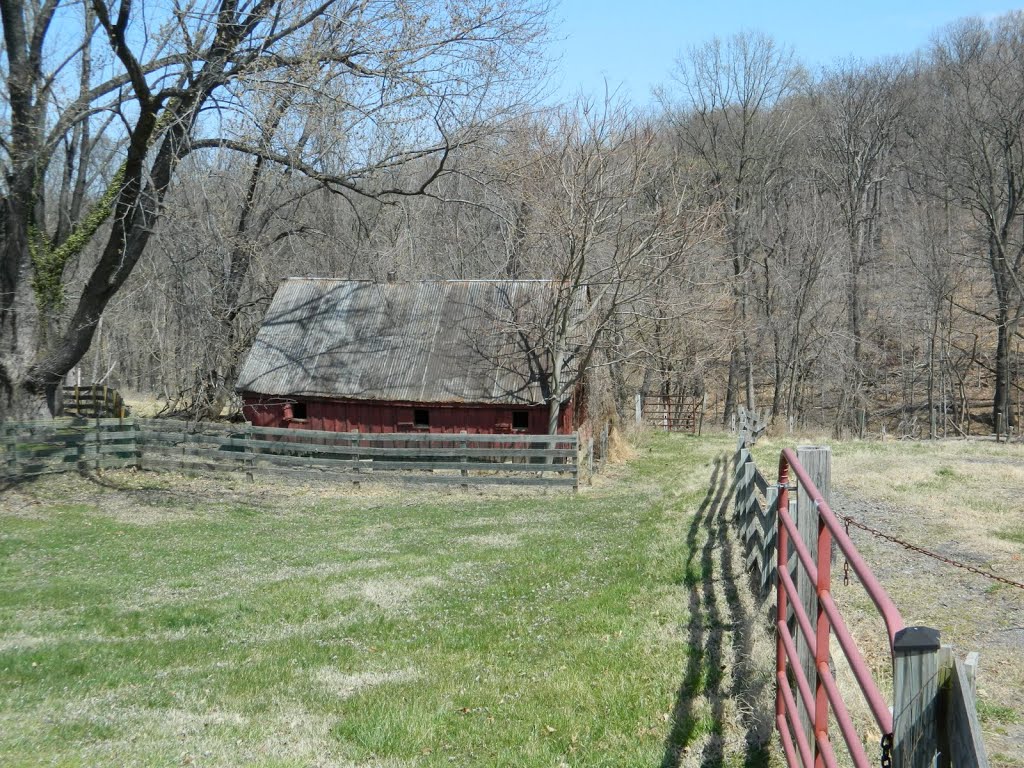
{"x": 444, "y": 341}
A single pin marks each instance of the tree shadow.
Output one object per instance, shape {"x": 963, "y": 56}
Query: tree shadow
{"x": 719, "y": 681}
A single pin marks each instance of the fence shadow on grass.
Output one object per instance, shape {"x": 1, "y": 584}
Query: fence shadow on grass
{"x": 722, "y": 709}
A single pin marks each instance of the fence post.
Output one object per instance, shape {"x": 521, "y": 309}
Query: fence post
{"x": 744, "y": 477}
{"x": 746, "y": 488}
{"x": 11, "y": 434}
{"x": 971, "y": 667}
{"x": 817, "y": 461}
{"x": 576, "y": 463}
{"x": 639, "y": 408}
{"x": 138, "y": 443}
{"x": 80, "y": 452}
{"x": 99, "y": 429}
{"x": 946, "y": 668}
{"x": 915, "y": 697}
{"x": 250, "y": 461}
{"x": 768, "y": 548}
{"x": 355, "y": 456}
{"x": 464, "y": 445}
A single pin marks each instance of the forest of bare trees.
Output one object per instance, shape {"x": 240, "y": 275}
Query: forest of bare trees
{"x": 842, "y": 247}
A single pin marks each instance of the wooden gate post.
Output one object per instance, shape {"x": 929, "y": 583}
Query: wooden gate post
{"x": 464, "y": 459}
{"x": 744, "y": 486}
{"x": 915, "y": 697}
{"x": 138, "y": 443}
{"x": 248, "y": 458}
{"x": 817, "y": 460}
{"x": 355, "y": 456}
{"x": 11, "y": 437}
{"x": 576, "y": 461}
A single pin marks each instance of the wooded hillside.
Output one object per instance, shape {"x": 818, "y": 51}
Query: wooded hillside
{"x": 843, "y": 247}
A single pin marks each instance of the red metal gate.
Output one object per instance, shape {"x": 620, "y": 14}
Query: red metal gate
{"x": 825, "y": 696}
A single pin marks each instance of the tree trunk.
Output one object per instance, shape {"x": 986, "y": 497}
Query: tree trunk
{"x": 730, "y": 390}
{"x": 554, "y": 415}
{"x": 1002, "y": 413}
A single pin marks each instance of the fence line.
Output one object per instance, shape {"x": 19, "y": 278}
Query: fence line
{"x": 933, "y": 720}
{"x": 757, "y": 520}
{"x": 35, "y": 448}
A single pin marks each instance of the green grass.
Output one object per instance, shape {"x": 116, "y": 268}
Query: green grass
{"x": 149, "y": 625}
{"x": 990, "y": 712}
{"x": 1016, "y": 535}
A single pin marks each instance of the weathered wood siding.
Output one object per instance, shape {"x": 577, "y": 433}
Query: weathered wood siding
{"x": 387, "y": 417}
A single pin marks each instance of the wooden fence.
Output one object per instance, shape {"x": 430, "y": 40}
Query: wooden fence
{"x": 756, "y": 519}
{"x": 94, "y": 402}
{"x": 933, "y": 718}
{"x": 31, "y": 449}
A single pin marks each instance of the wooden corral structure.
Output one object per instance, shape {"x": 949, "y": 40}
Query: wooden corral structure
{"x": 431, "y": 356}
{"x": 93, "y": 402}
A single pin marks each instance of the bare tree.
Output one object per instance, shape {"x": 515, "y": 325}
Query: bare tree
{"x": 858, "y": 118}
{"x": 587, "y": 215}
{"x": 978, "y": 79}
{"x": 727, "y": 121}
{"x": 371, "y": 86}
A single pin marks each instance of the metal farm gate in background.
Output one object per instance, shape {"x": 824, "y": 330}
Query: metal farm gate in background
{"x": 673, "y": 413}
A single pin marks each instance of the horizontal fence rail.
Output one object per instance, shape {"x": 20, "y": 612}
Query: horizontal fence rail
{"x": 31, "y": 449}
{"x": 441, "y": 458}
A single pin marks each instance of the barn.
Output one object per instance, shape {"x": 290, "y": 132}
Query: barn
{"x": 429, "y": 356}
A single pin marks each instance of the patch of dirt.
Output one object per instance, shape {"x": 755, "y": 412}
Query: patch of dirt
{"x": 491, "y": 540}
{"x": 345, "y": 684}
{"x": 391, "y": 595}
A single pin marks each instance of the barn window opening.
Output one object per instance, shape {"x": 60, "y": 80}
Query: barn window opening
{"x": 520, "y": 419}
{"x": 299, "y": 412}
{"x": 421, "y": 417}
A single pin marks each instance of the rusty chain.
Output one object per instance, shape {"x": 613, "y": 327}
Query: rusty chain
{"x": 886, "y": 761}
{"x": 921, "y": 550}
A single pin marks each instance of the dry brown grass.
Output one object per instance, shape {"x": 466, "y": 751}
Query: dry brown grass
{"x": 620, "y": 449}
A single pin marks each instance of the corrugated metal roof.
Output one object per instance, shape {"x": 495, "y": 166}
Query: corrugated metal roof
{"x": 442, "y": 341}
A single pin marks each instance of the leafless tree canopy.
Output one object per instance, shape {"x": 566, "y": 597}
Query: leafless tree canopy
{"x": 104, "y": 101}
{"x": 841, "y": 247}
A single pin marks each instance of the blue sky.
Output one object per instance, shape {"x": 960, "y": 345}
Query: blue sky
{"x": 634, "y": 44}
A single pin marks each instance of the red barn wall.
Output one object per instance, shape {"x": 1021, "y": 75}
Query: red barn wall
{"x": 387, "y": 417}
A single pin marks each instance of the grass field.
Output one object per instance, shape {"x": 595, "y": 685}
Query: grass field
{"x": 158, "y": 620}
